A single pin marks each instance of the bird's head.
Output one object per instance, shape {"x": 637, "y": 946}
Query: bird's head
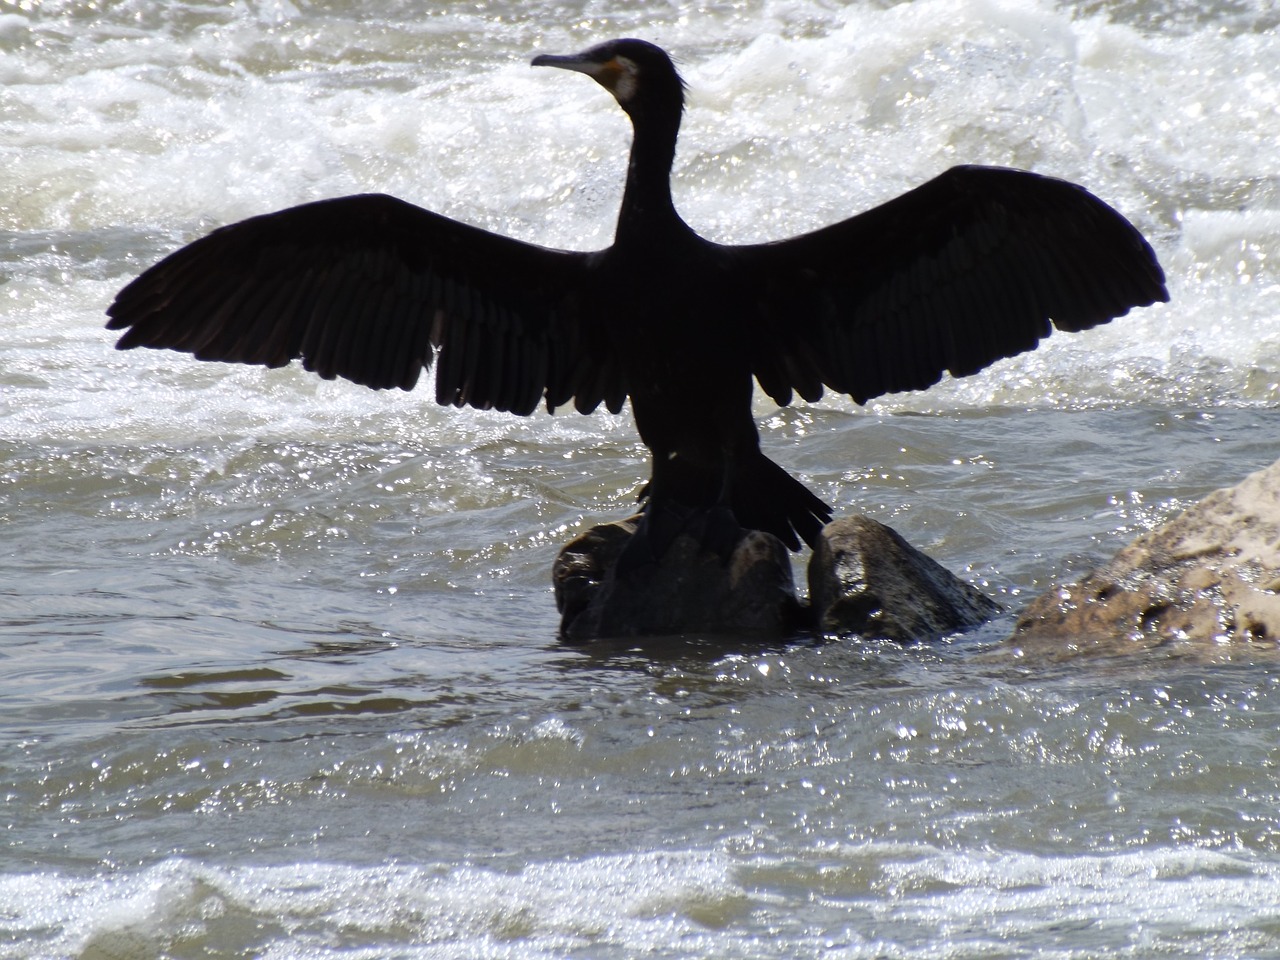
{"x": 637, "y": 73}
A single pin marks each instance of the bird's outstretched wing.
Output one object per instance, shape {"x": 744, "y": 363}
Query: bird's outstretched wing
{"x": 970, "y": 267}
{"x": 368, "y": 288}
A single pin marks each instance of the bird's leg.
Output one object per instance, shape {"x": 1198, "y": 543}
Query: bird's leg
{"x": 721, "y": 531}
{"x": 714, "y": 529}
{"x": 680, "y": 502}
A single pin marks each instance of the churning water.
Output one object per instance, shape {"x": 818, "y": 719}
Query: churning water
{"x": 279, "y": 676}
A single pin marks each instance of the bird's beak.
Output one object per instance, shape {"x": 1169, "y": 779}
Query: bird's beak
{"x": 574, "y": 61}
{"x": 603, "y": 73}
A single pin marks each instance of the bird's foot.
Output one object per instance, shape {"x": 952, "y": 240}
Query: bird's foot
{"x": 714, "y": 529}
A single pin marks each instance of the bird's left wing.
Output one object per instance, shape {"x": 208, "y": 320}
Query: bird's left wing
{"x": 368, "y": 288}
{"x": 970, "y": 267}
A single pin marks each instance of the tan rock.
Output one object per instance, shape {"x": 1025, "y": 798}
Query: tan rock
{"x": 1208, "y": 576}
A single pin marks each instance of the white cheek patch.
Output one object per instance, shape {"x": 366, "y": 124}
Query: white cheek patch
{"x": 624, "y": 86}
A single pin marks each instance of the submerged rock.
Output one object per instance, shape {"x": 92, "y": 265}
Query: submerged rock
{"x": 864, "y": 579}
{"x": 1209, "y": 575}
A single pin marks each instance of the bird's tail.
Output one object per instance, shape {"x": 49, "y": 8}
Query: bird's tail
{"x": 766, "y": 497}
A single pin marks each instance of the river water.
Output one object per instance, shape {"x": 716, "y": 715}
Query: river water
{"x": 279, "y": 670}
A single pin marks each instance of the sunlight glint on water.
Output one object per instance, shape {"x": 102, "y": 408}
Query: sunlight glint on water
{"x": 279, "y": 657}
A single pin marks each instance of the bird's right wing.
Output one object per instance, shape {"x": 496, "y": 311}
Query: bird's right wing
{"x": 975, "y": 265}
{"x": 368, "y": 288}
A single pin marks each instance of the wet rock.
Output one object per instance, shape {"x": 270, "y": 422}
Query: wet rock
{"x": 689, "y": 591}
{"x": 865, "y": 579}
{"x": 1211, "y": 575}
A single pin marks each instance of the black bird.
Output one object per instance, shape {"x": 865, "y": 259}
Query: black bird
{"x": 973, "y": 266}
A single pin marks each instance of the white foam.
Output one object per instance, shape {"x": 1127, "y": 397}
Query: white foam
{"x": 799, "y": 116}
{"x": 867, "y": 899}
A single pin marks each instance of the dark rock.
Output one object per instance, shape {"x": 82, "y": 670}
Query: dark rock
{"x": 865, "y": 579}
{"x": 689, "y": 591}
{"x": 580, "y": 571}
{"x": 1210, "y": 576}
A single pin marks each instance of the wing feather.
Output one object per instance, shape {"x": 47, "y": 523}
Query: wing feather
{"x": 370, "y": 288}
{"x": 977, "y": 264}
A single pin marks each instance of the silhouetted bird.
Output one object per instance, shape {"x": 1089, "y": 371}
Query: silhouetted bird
{"x": 968, "y": 268}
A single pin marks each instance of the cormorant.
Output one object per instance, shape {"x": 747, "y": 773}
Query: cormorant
{"x": 972, "y": 266}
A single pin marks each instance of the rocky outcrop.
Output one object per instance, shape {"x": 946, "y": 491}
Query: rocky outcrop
{"x": 864, "y": 579}
{"x": 1211, "y": 575}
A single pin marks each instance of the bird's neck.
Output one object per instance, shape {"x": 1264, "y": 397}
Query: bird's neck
{"x": 646, "y": 200}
